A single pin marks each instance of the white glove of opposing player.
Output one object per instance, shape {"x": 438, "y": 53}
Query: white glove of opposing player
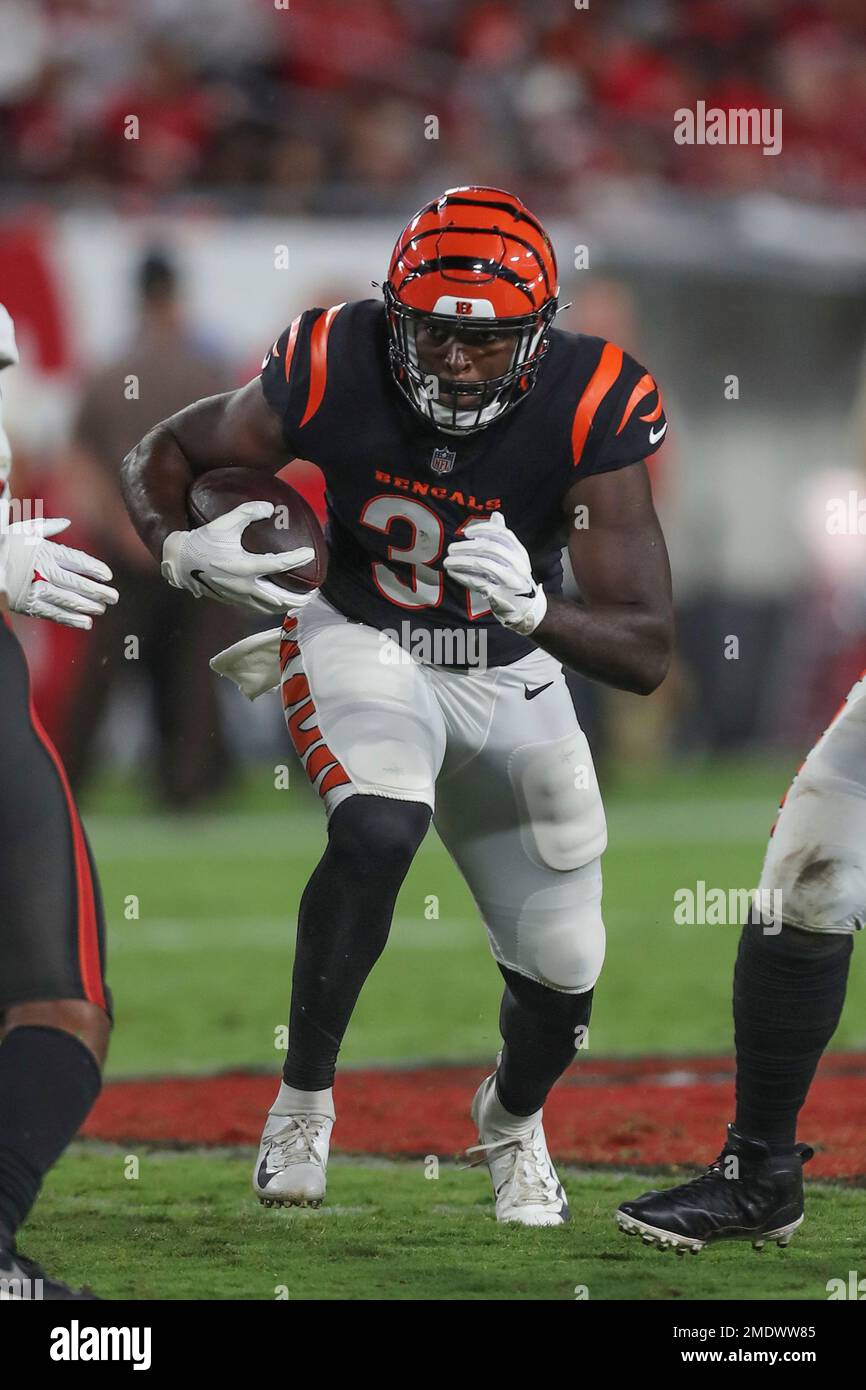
{"x": 45, "y": 580}
{"x": 494, "y": 563}
{"x": 212, "y": 561}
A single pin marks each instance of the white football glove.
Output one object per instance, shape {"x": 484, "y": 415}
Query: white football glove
{"x": 212, "y": 561}
{"x": 494, "y": 563}
{"x": 45, "y": 580}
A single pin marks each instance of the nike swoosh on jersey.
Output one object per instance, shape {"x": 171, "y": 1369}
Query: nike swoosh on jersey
{"x": 539, "y": 690}
{"x": 655, "y": 436}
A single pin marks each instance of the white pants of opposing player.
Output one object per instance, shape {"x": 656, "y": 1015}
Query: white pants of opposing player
{"x": 509, "y": 778}
{"x": 816, "y": 859}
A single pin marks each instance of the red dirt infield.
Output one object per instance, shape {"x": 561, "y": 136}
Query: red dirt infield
{"x": 641, "y": 1113}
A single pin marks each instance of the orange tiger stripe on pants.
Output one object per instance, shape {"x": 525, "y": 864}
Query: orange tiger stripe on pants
{"x": 322, "y": 767}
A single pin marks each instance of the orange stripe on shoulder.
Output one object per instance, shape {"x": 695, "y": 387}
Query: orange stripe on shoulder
{"x": 654, "y": 414}
{"x": 319, "y": 360}
{"x": 645, "y": 387}
{"x": 602, "y": 379}
{"x": 290, "y": 343}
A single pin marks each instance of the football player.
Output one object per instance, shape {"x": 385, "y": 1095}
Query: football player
{"x": 55, "y": 1009}
{"x": 789, "y": 988}
{"x": 464, "y": 440}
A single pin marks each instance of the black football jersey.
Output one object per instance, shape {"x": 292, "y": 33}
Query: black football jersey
{"x": 399, "y": 491}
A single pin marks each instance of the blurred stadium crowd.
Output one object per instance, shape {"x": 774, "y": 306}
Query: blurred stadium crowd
{"x": 319, "y": 106}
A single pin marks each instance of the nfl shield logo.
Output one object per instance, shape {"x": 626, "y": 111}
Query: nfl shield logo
{"x": 442, "y": 460}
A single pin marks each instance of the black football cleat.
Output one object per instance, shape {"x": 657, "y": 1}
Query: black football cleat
{"x": 746, "y": 1194}
{"x": 22, "y": 1280}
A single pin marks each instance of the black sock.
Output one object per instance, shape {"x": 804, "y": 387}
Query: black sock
{"x": 539, "y": 1026}
{"x": 343, "y": 924}
{"x": 789, "y": 989}
{"x": 48, "y": 1083}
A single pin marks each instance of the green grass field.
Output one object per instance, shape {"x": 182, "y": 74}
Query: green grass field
{"x": 201, "y": 914}
{"x": 188, "y": 1228}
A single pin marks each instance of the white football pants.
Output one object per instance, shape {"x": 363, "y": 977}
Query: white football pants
{"x": 816, "y": 857}
{"x": 497, "y": 754}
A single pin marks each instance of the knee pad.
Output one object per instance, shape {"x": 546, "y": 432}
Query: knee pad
{"x": 560, "y": 933}
{"x": 561, "y": 812}
{"x": 822, "y": 887}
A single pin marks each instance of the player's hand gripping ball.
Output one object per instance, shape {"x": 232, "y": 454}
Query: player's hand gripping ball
{"x": 255, "y": 543}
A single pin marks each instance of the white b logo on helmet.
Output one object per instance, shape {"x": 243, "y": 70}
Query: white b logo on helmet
{"x": 463, "y": 306}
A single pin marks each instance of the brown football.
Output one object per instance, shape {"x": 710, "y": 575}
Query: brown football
{"x": 293, "y": 524}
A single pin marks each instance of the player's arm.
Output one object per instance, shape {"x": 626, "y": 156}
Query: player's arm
{"x": 236, "y": 429}
{"x": 622, "y": 632}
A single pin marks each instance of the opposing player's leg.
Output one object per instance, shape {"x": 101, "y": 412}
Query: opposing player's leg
{"x": 371, "y": 740}
{"x": 789, "y": 990}
{"x": 519, "y": 809}
{"x": 54, "y": 1005}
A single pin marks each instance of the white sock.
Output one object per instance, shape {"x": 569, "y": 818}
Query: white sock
{"x": 498, "y": 1118}
{"x": 291, "y": 1102}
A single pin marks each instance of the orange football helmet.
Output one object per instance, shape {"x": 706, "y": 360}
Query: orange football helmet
{"x": 475, "y": 259}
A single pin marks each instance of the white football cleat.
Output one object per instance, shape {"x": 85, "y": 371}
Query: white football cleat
{"x": 291, "y": 1166}
{"x": 525, "y": 1182}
